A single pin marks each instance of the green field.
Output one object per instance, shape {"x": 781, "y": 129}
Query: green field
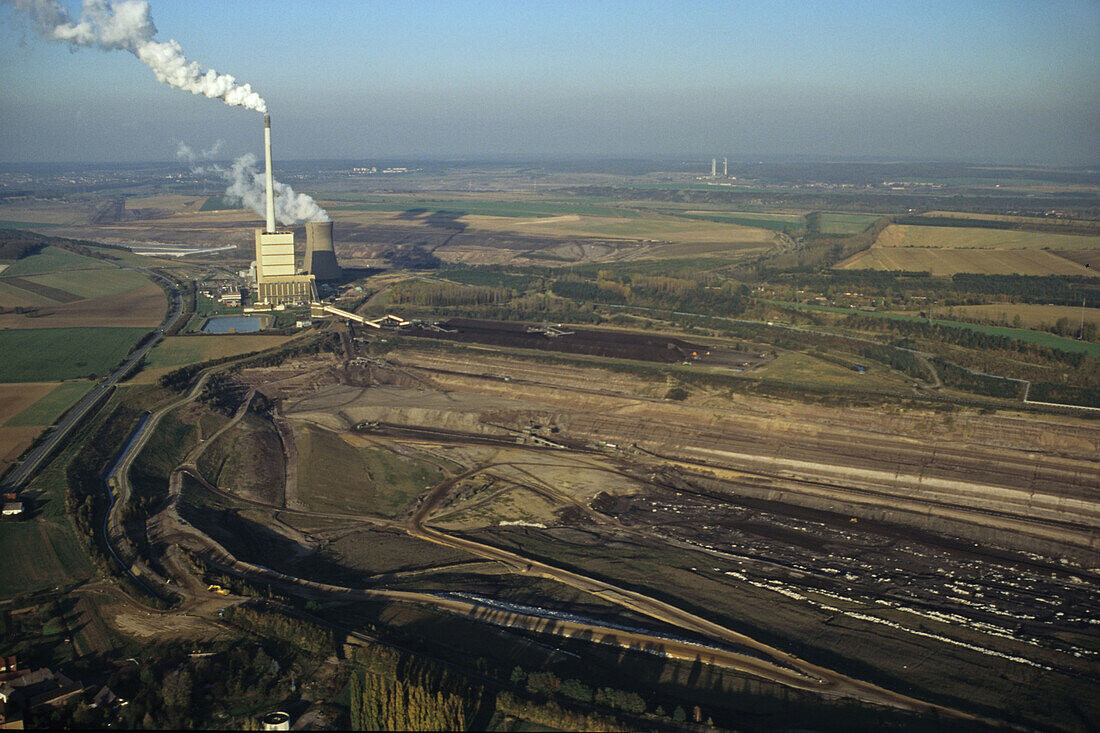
{"x": 334, "y": 475}
{"x": 220, "y": 203}
{"x": 180, "y": 350}
{"x": 1020, "y": 334}
{"x": 43, "y": 551}
{"x": 774, "y": 222}
{"x": 831, "y": 223}
{"x": 57, "y": 354}
{"x": 46, "y": 410}
{"x": 114, "y": 281}
{"x": 52, "y": 259}
{"x": 801, "y": 370}
{"x": 14, "y": 297}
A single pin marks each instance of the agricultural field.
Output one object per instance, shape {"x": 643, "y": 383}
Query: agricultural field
{"x": 50, "y": 406}
{"x": 42, "y": 213}
{"x": 1031, "y": 316}
{"x": 1041, "y": 338}
{"x": 57, "y": 288}
{"x": 761, "y": 220}
{"x": 54, "y": 259}
{"x": 1009, "y": 218}
{"x": 140, "y": 308}
{"x": 903, "y": 235}
{"x": 73, "y": 352}
{"x": 835, "y": 223}
{"x": 112, "y": 281}
{"x": 170, "y": 202}
{"x": 13, "y": 441}
{"x": 16, "y": 398}
{"x": 519, "y": 208}
{"x": 622, "y": 224}
{"x": 13, "y": 296}
{"x": 220, "y": 203}
{"x": 176, "y": 351}
{"x": 942, "y": 262}
{"x": 1087, "y": 257}
{"x": 41, "y": 554}
{"x": 45, "y": 553}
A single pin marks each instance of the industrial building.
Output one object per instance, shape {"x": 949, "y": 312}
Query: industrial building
{"x": 320, "y": 255}
{"x": 277, "y": 279}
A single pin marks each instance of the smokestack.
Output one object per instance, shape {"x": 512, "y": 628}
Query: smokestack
{"x": 269, "y": 177}
{"x": 726, "y": 167}
{"x": 713, "y": 167}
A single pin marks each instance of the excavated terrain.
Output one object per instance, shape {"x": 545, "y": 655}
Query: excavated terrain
{"x": 954, "y": 556}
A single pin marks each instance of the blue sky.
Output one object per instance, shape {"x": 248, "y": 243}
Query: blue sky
{"x": 997, "y": 81}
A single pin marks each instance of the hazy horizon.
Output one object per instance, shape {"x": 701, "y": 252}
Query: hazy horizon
{"x": 995, "y": 82}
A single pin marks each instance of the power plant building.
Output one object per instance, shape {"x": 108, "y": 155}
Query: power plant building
{"x": 277, "y": 280}
{"x": 320, "y": 254}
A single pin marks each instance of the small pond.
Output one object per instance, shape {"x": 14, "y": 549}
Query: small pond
{"x": 235, "y": 324}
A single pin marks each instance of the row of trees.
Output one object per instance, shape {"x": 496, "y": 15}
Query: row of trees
{"x": 380, "y": 703}
{"x": 671, "y": 293}
{"x": 961, "y": 336}
{"x": 444, "y": 294}
{"x": 297, "y": 632}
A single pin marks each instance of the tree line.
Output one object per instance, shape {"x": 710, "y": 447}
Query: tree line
{"x": 379, "y": 703}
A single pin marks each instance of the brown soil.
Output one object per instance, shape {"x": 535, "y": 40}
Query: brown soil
{"x": 1088, "y": 257}
{"x": 144, "y": 307}
{"x": 16, "y": 397}
{"x": 13, "y": 441}
{"x": 588, "y": 341}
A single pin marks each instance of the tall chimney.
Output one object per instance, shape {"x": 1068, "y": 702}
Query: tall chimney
{"x": 269, "y": 177}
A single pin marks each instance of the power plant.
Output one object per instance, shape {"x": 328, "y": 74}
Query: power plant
{"x": 277, "y": 280}
{"x": 320, "y": 258}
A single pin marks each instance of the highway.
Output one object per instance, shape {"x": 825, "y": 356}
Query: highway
{"x": 56, "y": 436}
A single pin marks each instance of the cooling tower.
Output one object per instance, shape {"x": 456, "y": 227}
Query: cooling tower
{"x": 320, "y": 255}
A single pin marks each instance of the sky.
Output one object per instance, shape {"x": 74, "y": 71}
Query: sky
{"x": 999, "y": 81}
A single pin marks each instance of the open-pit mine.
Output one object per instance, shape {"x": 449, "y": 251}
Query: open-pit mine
{"x": 944, "y": 564}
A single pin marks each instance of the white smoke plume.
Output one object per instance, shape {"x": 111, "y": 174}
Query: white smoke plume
{"x": 246, "y": 182}
{"x": 187, "y": 154}
{"x": 127, "y": 25}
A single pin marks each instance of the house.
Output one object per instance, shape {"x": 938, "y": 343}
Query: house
{"x": 13, "y": 508}
{"x": 9, "y": 669}
{"x": 106, "y": 697}
{"x": 231, "y": 297}
{"x": 38, "y": 688}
